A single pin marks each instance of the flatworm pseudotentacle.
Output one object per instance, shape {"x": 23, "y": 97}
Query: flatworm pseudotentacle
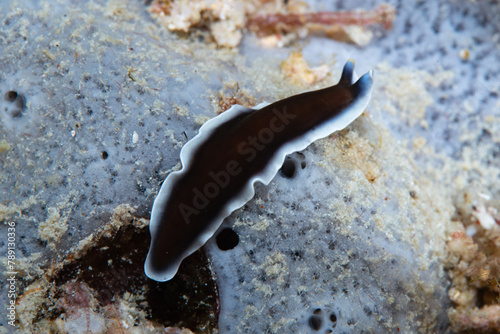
{"x": 233, "y": 151}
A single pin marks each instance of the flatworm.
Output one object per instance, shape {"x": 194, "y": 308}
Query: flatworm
{"x": 233, "y": 151}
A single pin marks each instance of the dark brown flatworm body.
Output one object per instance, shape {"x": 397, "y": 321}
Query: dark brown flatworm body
{"x": 233, "y": 151}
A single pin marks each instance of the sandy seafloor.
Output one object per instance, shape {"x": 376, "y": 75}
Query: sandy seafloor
{"x": 368, "y": 237}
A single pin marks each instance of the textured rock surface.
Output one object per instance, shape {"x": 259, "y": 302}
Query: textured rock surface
{"x": 352, "y": 242}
